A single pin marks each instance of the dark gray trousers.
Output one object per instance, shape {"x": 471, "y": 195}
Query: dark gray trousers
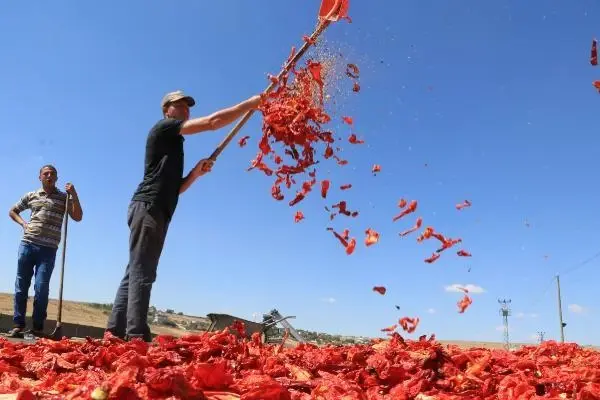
{"x": 148, "y": 229}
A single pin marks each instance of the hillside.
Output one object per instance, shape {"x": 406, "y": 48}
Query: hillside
{"x": 172, "y": 323}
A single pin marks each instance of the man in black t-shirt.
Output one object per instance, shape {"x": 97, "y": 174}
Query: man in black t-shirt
{"x": 154, "y": 203}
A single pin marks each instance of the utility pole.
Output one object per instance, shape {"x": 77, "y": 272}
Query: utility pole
{"x": 560, "y": 316}
{"x": 541, "y": 337}
{"x": 505, "y": 312}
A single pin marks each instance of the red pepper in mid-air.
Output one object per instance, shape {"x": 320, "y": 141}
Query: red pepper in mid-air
{"x": 463, "y": 253}
{"x": 412, "y": 207}
{"x": 376, "y": 168}
{"x": 380, "y": 289}
{"x": 594, "y": 53}
{"x": 324, "y": 188}
{"x": 414, "y": 228}
{"x": 464, "y": 303}
{"x": 346, "y": 187}
{"x": 348, "y": 120}
{"x": 354, "y": 140}
{"x": 464, "y": 204}
{"x": 243, "y": 140}
{"x": 298, "y": 217}
{"x": 372, "y": 237}
{"x": 433, "y": 257}
{"x": 409, "y": 324}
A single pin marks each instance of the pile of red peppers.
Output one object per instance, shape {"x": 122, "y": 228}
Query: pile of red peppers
{"x": 221, "y": 366}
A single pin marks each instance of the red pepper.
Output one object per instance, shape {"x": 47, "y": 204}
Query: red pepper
{"x": 412, "y": 207}
{"x": 409, "y": 324}
{"x": 348, "y": 120}
{"x": 463, "y": 253}
{"x": 594, "y": 53}
{"x": 324, "y": 188}
{"x": 243, "y": 140}
{"x": 372, "y": 237}
{"x": 379, "y": 289}
{"x": 354, "y": 140}
{"x": 298, "y": 217}
{"x": 464, "y": 204}
{"x": 346, "y": 187}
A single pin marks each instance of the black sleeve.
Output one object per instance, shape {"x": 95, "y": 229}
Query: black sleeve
{"x": 167, "y": 127}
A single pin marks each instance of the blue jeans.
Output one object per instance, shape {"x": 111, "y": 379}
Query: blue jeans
{"x": 38, "y": 261}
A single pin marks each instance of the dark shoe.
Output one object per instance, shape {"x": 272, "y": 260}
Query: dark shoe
{"x": 16, "y": 332}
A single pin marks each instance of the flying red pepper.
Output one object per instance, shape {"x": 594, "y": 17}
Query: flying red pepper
{"x": 594, "y": 53}
{"x": 597, "y": 85}
{"x": 356, "y": 87}
{"x": 324, "y": 188}
{"x": 409, "y": 324}
{"x": 390, "y": 328}
{"x": 412, "y": 207}
{"x": 341, "y": 206}
{"x": 464, "y": 303}
{"x": 352, "y": 71}
{"x": 354, "y": 140}
{"x": 464, "y": 204}
{"x": 298, "y": 217}
{"x": 376, "y": 168}
{"x": 414, "y": 228}
{"x": 433, "y": 257}
{"x": 346, "y": 187}
{"x": 349, "y": 245}
{"x": 447, "y": 243}
{"x": 243, "y": 140}
{"x": 372, "y": 237}
{"x": 463, "y": 253}
{"x": 380, "y": 289}
{"x": 348, "y": 120}
{"x": 402, "y": 203}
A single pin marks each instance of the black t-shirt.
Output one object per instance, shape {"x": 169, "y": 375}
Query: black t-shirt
{"x": 163, "y": 167}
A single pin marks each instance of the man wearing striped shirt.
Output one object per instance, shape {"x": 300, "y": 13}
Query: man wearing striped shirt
{"x": 38, "y": 247}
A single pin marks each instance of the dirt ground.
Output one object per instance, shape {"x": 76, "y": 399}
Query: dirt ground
{"x": 84, "y": 314}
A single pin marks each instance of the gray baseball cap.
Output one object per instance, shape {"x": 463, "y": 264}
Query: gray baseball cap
{"x": 177, "y": 95}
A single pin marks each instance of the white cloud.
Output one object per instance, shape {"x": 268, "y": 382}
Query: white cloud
{"x": 473, "y": 289}
{"x": 576, "y": 308}
{"x": 431, "y": 311}
{"x": 329, "y": 300}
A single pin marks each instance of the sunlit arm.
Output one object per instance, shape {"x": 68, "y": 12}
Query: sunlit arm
{"x": 75, "y": 210}
{"x": 220, "y": 118}
{"x": 14, "y": 215}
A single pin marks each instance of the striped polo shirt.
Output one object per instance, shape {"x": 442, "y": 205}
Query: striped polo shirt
{"x": 47, "y": 212}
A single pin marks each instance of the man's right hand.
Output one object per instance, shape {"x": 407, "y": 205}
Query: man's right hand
{"x": 204, "y": 166}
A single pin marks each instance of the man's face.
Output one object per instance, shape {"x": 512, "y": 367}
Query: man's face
{"x": 179, "y": 110}
{"x": 48, "y": 177}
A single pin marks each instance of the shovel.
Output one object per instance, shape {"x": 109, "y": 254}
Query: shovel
{"x": 330, "y": 11}
{"x": 57, "y": 334}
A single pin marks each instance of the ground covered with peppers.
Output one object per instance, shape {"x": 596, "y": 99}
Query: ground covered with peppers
{"x": 220, "y": 366}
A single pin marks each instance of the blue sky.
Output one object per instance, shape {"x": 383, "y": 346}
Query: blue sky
{"x": 495, "y": 97}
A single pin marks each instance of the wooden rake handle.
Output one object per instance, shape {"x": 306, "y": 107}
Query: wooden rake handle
{"x": 323, "y": 24}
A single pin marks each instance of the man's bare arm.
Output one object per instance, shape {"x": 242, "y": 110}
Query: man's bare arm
{"x": 220, "y": 118}
{"x": 75, "y": 210}
{"x": 14, "y": 215}
{"x": 202, "y": 167}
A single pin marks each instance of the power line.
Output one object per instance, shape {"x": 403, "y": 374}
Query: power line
{"x": 505, "y": 312}
{"x": 581, "y": 264}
